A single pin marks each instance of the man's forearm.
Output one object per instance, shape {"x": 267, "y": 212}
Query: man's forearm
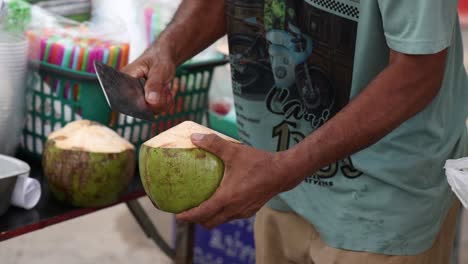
{"x": 195, "y": 26}
{"x": 402, "y": 90}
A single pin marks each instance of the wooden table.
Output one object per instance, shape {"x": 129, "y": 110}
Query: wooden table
{"x": 49, "y": 211}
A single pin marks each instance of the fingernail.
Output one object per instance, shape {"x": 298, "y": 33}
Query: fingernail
{"x": 197, "y": 137}
{"x": 152, "y": 97}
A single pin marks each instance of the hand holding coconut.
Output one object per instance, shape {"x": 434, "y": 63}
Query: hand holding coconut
{"x": 209, "y": 178}
{"x": 251, "y": 178}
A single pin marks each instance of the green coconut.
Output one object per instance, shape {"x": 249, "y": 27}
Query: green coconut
{"x": 176, "y": 174}
{"x": 87, "y": 164}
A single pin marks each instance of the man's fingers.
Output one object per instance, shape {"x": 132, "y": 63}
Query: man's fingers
{"x": 226, "y": 216}
{"x": 137, "y": 69}
{"x": 158, "y": 77}
{"x": 204, "y": 211}
{"x": 219, "y": 219}
{"x": 157, "y": 89}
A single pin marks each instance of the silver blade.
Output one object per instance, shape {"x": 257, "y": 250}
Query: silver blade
{"x": 124, "y": 93}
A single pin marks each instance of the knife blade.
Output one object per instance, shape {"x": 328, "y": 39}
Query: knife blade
{"x": 124, "y": 94}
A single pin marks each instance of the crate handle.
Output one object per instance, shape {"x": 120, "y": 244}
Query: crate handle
{"x": 89, "y": 77}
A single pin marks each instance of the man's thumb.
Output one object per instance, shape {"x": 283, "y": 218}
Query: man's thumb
{"x": 211, "y": 143}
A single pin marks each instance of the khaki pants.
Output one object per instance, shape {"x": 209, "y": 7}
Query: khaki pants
{"x": 283, "y": 237}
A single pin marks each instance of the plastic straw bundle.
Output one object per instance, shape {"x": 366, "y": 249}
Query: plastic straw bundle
{"x": 153, "y": 25}
{"x": 75, "y": 48}
{"x": 158, "y": 14}
{"x": 79, "y": 53}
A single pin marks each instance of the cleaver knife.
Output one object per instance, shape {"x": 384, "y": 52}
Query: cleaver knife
{"x": 123, "y": 93}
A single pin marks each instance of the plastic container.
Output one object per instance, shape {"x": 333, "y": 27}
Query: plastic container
{"x": 10, "y": 169}
{"x": 222, "y": 114}
{"x": 77, "y": 95}
{"x": 463, "y": 11}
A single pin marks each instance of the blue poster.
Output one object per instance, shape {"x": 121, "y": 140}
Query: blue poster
{"x": 230, "y": 243}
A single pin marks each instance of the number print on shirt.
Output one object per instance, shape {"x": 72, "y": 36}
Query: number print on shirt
{"x": 284, "y": 132}
{"x": 284, "y": 135}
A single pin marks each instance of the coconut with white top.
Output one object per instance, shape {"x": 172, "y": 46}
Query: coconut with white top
{"x": 176, "y": 174}
{"x": 88, "y": 164}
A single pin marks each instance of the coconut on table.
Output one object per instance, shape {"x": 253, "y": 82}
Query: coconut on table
{"x": 176, "y": 174}
{"x": 87, "y": 164}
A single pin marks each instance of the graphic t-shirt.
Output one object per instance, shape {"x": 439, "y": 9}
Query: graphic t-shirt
{"x": 296, "y": 63}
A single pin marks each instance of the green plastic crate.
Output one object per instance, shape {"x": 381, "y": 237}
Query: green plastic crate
{"x": 57, "y": 96}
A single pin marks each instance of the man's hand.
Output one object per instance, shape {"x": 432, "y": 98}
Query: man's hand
{"x": 251, "y": 178}
{"x": 158, "y": 68}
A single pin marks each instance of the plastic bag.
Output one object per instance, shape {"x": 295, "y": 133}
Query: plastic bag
{"x": 72, "y": 45}
{"x": 158, "y": 14}
{"x": 144, "y": 19}
{"x": 129, "y": 12}
{"x": 457, "y": 176}
{"x": 2, "y": 5}
{"x": 15, "y": 15}
{"x": 2, "y": 12}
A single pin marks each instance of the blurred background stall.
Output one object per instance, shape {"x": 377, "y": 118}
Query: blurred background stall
{"x": 62, "y": 39}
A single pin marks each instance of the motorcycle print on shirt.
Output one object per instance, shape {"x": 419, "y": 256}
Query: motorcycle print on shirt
{"x": 292, "y": 66}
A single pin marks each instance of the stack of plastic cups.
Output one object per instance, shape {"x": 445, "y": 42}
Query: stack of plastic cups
{"x": 13, "y": 69}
